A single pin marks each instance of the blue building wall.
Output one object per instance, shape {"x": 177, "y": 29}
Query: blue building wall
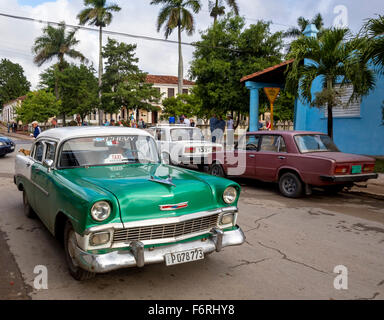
{"x": 359, "y": 135}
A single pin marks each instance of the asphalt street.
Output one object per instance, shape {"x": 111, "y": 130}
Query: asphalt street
{"x": 291, "y": 251}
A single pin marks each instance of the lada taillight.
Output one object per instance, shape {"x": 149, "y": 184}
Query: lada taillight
{"x": 189, "y": 150}
{"x": 342, "y": 169}
{"x": 369, "y": 167}
{"x": 216, "y": 149}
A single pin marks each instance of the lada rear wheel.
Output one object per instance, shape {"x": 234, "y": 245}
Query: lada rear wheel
{"x": 28, "y": 211}
{"x": 70, "y": 244}
{"x": 290, "y": 185}
{"x": 217, "y": 170}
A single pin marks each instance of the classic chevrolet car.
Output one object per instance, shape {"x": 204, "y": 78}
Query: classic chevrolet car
{"x": 104, "y": 192}
{"x": 296, "y": 160}
{"x": 6, "y": 146}
{"x": 180, "y": 144}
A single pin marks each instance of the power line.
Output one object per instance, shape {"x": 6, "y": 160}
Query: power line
{"x": 116, "y": 33}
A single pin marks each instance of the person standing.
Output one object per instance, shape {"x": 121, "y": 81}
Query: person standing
{"x": 230, "y": 131}
{"x": 36, "y": 128}
{"x": 212, "y": 126}
{"x": 192, "y": 123}
{"x": 220, "y": 127}
{"x": 14, "y": 126}
{"x": 8, "y": 126}
{"x": 186, "y": 121}
{"x": 54, "y": 122}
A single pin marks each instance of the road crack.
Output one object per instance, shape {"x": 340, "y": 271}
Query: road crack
{"x": 372, "y": 298}
{"x": 260, "y": 219}
{"x": 246, "y": 262}
{"x": 285, "y": 257}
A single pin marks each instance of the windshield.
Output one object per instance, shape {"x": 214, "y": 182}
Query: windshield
{"x": 315, "y": 143}
{"x": 106, "y": 150}
{"x": 184, "y": 134}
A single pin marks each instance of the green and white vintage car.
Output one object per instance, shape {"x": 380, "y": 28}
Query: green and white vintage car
{"x": 104, "y": 192}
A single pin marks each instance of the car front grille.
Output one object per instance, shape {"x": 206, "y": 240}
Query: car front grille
{"x": 164, "y": 231}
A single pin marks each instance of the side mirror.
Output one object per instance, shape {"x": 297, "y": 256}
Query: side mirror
{"x": 48, "y": 163}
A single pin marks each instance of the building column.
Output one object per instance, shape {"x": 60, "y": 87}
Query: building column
{"x": 253, "y": 106}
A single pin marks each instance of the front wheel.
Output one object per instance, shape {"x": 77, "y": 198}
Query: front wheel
{"x": 70, "y": 244}
{"x": 290, "y": 185}
{"x": 217, "y": 170}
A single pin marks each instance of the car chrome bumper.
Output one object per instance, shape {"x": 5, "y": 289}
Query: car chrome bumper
{"x": 350, "y": 177}
{"x": 139, "y": 256}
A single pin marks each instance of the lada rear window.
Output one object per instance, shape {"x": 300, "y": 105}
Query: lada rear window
{"x": 315, "y": 143}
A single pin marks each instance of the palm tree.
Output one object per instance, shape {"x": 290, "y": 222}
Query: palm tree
{"x": 218, "y": 9}
{"x": 374, "y": 29}
{"x": 174, "y": 14}
{"x": 332, "y": 57}
{"x": 294, "y": 32}
{"x": 98, "y": 13}
{"x": 56, "y": 43}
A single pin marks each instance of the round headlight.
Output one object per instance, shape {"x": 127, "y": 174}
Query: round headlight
{"x": 229, "y": 195}
{"x": 101, "y": 210}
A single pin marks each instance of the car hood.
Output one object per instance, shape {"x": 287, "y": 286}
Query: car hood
{"x": 5, "y": 139}
{"x": 140, "y": 198}
{"x": 341, "y": 157}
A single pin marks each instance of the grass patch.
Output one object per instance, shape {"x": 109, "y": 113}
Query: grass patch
{"x": 379, "y": 167}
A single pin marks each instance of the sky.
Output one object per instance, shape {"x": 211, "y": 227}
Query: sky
{"x": 139, "y": 17}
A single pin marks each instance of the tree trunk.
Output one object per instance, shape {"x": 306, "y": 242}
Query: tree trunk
{"x": 100, "y": 72}
{"x": 180, "y": 71}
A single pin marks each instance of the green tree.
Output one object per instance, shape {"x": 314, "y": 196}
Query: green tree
{"x": 175, "y": 14}
{"x": 302, "y": 23}
{"x": 217, "y": 8}
{"x": 333, "y": 57}
{"x": 56, "y": 43}
{"x": 38, "y": 106}
{"x": 99, "y": 14}
{"x": 78, "y": 88}
{"x": 184, "y": 104}
{"x": 13, "y": 82}
{"x": 374, "y": 30}
{"x": 239, "y": 52}
{"x": 374, "y": 44}
{"x": 124, "y": 84}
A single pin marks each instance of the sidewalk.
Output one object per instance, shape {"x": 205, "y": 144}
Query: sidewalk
{"x": 20, "y": 136}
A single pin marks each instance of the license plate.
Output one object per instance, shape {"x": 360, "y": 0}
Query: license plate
{"x": 356, "y": 169}
{"x": 184, "y": 256}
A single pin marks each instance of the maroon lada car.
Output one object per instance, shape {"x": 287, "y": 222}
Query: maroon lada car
{"x": 296, "y": 160}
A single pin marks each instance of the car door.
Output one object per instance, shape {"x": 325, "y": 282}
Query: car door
{"x": 245, "y": 153}
{"x": 43, "y": 182}
{"x": 271, "y": 156}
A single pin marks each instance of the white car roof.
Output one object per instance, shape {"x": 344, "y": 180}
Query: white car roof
{"x": 84, "y": 131}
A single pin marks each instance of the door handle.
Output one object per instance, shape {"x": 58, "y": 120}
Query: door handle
{"x": 28, "y": 164}
{"x": 281, "y": 158}
{"x": 251, "y": 155}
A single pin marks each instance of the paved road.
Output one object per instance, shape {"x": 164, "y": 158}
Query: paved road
{"x": 291, "y": 251}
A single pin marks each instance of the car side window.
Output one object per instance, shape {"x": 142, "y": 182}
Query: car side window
{"x": 39, "y": 151}
{"x": 282, "y": 146}
{"x": 50, "y": 151}
{"x": 249, "y": 142}
{"x": 270, "y": 143}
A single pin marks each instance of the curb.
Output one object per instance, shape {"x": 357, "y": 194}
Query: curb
{"x": 366, "y": 194}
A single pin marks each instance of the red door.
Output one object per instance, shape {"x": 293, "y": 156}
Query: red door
{"x": 272, "y": 155}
